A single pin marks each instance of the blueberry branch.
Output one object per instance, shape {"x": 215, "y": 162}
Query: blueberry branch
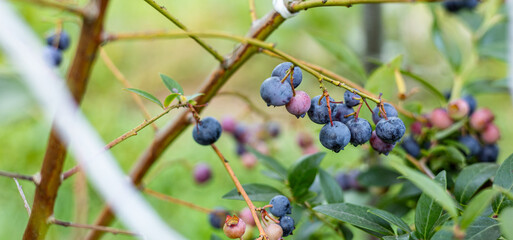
{"x": 17, "y": 175}
{"x": 241, "y": 191}
{"x": 252, "y": 10}
{"x": 58, "y": 5}
{"x": 175, "y": 200}
{"x": 93, "y": 227}
{"x": 303, "y": 5}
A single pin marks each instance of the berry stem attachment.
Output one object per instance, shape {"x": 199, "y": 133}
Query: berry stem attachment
{"x": 358, "y": 110}
{"x": 241, "y": 191}
{"x": 327, "y": 96}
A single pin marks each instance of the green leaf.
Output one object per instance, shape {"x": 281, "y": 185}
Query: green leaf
{"x": 193, "y": 96}
{"x": 171, "y": 84}
{"x": 428, "y": 211}
{"x": 302, "y": 174}
{"x": 170, "y": 98}
{"x": 358, "y": 216}
{"x": 391, "y": 218}
{"x": 504, "y": 178}
{"x": 506, "y": 218}
{"x": 383, "y": 79}
{"x": 483, "y": 228}
{"x": 426, "y": 85}
{"x": 307, "y": 230}
{"x": 429, "y": 187}
{"x": 271, "y": 163}
{"x": 330, "y": 188}
{"x": 471, "y": 179}
{"x": 145, "y": 95}
{"x": 400, "y": 237}
{"x": 348, "y": 235}
{"x": 378, "y": 176}
{"x": 476, "y": 206}
{"x": 408, "y": 190}
{"x": 256, "y": 192}
{"x": 450, "y": 130}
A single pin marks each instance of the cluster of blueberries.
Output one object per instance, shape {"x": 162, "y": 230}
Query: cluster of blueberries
{"x": 56, "y": 43}
{"x": 340, "y": 128}
{"x": 479, "y": 134}
{"x": 280, "y": 208}
{"x": 457, "y": 5}
{"x": 254, "y": 136}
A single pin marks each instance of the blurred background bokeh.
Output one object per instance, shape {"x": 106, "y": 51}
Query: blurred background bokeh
{"x": 331, "y": 37}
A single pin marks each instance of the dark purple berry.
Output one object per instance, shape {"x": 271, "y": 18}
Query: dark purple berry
{"x": 360, "y": 129}
{"x": 343, "y": 181}
{"x": 275, "y": 93}
{"x": 391, "y": 130}
{"x": 453, "y": 5}
{"x": 299, "y": 104}
{"x": 351, "y": 99}
{"x": 60, "y": 41}
{"x": 411, "y": 146}
{"x": 380, "y": 146}
{"x": 217, "y": 217}
{"x": 53, "y": 56}
{"x": 472, "y": 145}
{"x": 335, "y": 137}
{"x": 281, "y": 70}
{"x": 229, "y": 124}
{"x": 353, "y": 180}
{"x": 241, "y": 149}
{"x": 273, "y": 129}
{"x": 287, "y": 224}
{"x": 472, "y": 103}
{"x": 207, "y": 131}
{"x": 389, "y": 109}
{"x": 281, "y": 206}
{"x": 202, "y": 173}
{"x": 241, "y": 134}
{"x": 339, "y": 112}
{"x": 488, "y": 153}
{"x": 319, "y": 113}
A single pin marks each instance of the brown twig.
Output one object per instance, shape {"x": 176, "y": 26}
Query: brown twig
{"x": 78, "y": 74}
{"x": 175, "y": 200}
{"x": 420, "y": 165}
{"x": 22, "y": 194}
{"x": 120, "y": 77}
{"x": 17, "y": 175}
{"x": 241, "y": 190}
{"x": 92, "y": 227}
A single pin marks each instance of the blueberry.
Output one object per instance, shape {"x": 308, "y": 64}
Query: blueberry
{"x": 299, "y": 104}
{"x": 439, "y": 118}
{"x": 335, "y": 137}
{"x": 241, "y": 149}
{"x": 360, "y": 129}
{"x": 488, "y": 153}
{"x": 52, "y": 55}
{"x": 281, "y": 206}
{"x": 339, "y": 111}
{"x": 304, "y": 140}
{"x": 234, "y": 227}
{"x": 281, "y": 70}
{"x": 229, "y": 124}
{"x": 217, "y": 217}
{"x": 391, "y": 130}
{"x": 471, "y": 4}
{"x": 202, "y": 173}
{"x": 349, "y": 98}
{"x": 273, "y": 129}
{"x": 274, "y": 231}
{"x": 481, "y": 118}
{"x": 453, "y": 5}
{"x": 319, "y": 113}
{"x": 389, "y": 109}
{"x": 241, "y": 134}
{"x": 471, "y": 103}
{"x": 380, "y": 146}
{"x": 207, "y": 131}
{"x": 458, "y": 109}
{"x": 411, "y": 146}
{"x": 343, "y": 181}
{"x": 472, "y": 144}
{"x": 275, "y": 93}
{"x": 61, "y": 40}
{"x": 490, "y": 134}
{"x": 353, "y": 180}
{"x": 287, "y": 224}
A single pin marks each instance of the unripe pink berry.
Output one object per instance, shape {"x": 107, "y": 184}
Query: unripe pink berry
{"x": 304, "y": 140}
{"x": 310, "y": 150}
{"x": 202, "y": 173}
{"x": 262, "y": 147}
{"x": 247, "y": 217}
{"x": 416, "y": 128}
{"x": 490, "y": 134}
{"x": 234, "y": 227}
{"x": 274, "y": 231}
{"x": 458, "y": 109}
{"x": 480, "y": 118}
{"x": 440, "y": 119}
{"x": 299, "y": 104}
{"x": 249, "y": 160}
{"x": 229, "y": 124}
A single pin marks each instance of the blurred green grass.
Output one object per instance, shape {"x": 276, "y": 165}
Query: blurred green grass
{"x": 112, "y": 112}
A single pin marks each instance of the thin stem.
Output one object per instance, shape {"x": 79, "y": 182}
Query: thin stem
{"x": 125, "y": 136}
{"x": 120, "y": 77}
{"x": 22, "y": 194}
{"x": 456, "y": 88}
{"x": 180, "y": 25}
{"x": 303, "y": 5}
{"x": 420, "y": 165}
{"x": 241, "y": 191}
{"x": 93, "y": 227}
{"x": 16, "y": 175}
{"x": 58, "y": 5}
{"x": 247, "y": 101}
{"x": 252, "y": 10}
{"x": 175, "y": 200}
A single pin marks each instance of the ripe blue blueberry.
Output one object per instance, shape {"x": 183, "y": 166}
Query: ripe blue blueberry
{"x": 275, "y": 93}
{"x": 60, "y": 41}
{"x": 453, "y": 5}
{"x": 380, "y": 146}
{"x": 319, "y": 113}
{"x": 472, "y": 144}
{"x": 281, "y": 206}
{"x": 281, "y": 70}
{"x": 52, "y": 55}
{"x": 488, "y": 153}
{"x": 360, "y": 129}
{"x": 391, "y": 130}
{"x": 343, "y": 181}
{"x": 217, "y": 217}
{"x": 287, "y": 224}
{"x": 341, "y": 110}
{"x": 335, "y": 137}
{"x": 472, "y": 103}
{"x": 349, "y": 98}
{"x": 207, "y": 131}
{"x": 389, "y": 109}
{"x": 411, "y": 146}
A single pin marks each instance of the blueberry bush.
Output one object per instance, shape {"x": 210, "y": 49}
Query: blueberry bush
{"x": 323, "y": 139}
